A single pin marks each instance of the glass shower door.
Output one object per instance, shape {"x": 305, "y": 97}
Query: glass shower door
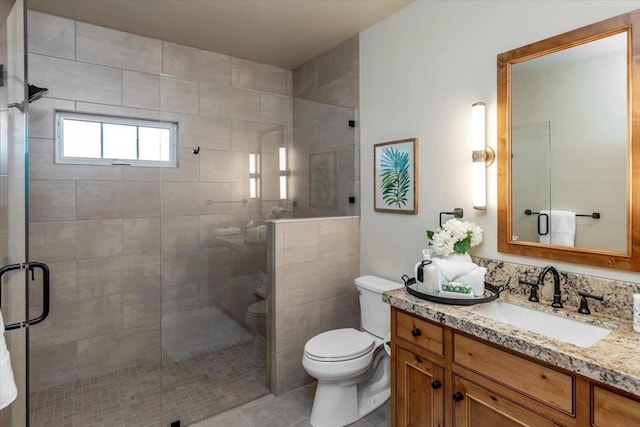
{"x": 13, "y": 242}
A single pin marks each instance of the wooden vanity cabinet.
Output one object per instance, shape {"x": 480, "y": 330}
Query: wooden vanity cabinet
{"x": 443, "y": 378}
{"x": 613, "y": 409}
{"x": 419, "y": 390}
{"x": 479, "y": 407}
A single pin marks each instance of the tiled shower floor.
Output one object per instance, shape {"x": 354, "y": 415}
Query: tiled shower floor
{"x": 193, "y": 389}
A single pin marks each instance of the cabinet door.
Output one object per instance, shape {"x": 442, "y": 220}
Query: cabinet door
{"x": 614, "y": 410}
{"x": 420, "y": 397}
{"x": 476, "y": 406}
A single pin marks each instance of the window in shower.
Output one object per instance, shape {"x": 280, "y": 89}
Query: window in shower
{"x": 105, "y": 140}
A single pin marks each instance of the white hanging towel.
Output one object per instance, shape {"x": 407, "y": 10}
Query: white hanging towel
{"x": 562, "y": 228}
{"x": 8, "y": 390}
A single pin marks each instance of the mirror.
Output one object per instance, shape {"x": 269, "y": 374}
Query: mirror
{"x": 567, "y": 148}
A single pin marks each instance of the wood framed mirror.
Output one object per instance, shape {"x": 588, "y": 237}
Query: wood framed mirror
{"x": 569, "y": 146}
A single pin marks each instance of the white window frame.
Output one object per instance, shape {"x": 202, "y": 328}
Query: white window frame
{"x": 60, "y": 116}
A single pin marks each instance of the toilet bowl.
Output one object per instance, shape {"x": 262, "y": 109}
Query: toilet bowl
{"x": 256, "y": 317}
{"x": 352, "y": 368}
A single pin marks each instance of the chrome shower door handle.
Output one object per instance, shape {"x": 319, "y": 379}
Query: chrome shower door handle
{"x": 46, "y": 291}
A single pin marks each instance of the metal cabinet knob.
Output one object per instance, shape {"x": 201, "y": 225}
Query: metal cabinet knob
{"x": 457, "y": 396}
{"x": 416, "y": 332}
{"x": 436, "y": 384}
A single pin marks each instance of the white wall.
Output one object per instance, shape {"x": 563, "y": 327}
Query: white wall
{"x": 421, "y": 69}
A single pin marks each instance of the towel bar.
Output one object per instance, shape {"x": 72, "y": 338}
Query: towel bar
{"x": 594, "y": 215}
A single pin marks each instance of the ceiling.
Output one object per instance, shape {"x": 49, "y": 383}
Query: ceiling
{"x": 285, "y": 33}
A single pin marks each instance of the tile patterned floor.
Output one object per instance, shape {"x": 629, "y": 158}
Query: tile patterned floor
{"x": 193, "y": 389}
{"x": 288, "y": 410}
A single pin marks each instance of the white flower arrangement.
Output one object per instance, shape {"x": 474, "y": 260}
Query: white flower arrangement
{"x": 455, "y": 236}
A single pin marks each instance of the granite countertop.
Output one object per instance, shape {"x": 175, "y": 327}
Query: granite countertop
{"x": 614, "y": 360}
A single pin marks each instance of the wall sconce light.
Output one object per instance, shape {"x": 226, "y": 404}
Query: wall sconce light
{"x": 483, "y": 156}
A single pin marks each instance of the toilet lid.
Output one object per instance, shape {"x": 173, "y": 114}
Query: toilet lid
{"x": 339, "y": 345}
{"x": 258, "y": 308}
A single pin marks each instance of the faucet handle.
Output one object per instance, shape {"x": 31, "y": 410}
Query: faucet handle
{"x": 533, "y": 293}
{"x": 584, "y": 305}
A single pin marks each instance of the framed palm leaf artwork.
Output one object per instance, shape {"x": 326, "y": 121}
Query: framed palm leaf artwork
{"x": 396, "y": 176}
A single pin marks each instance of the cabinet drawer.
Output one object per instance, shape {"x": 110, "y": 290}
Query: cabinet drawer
{"x": 611, "y": 409}
{"x": 551, "y": 387}
{"x": 420, "y": 332}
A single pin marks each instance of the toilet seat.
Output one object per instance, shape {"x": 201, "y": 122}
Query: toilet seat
{"x": 339, "y": 345}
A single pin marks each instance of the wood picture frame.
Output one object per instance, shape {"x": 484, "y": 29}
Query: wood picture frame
{"x": 395, "y": 176}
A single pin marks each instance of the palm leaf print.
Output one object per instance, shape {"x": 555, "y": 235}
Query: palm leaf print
{"x": 394, "y": 165}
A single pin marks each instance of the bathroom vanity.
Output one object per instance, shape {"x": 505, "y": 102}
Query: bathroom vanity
{"x": 453, "y": 367}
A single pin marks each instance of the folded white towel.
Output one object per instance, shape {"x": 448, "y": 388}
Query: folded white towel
{"x": 8, "y": 390}
{"x": 475, "y": 279}
{"x": 562, "y": 228}
{"x": 452, "y": 269}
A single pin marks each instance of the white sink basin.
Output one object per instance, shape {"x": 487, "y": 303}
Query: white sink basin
{"x": 552, "y": 325}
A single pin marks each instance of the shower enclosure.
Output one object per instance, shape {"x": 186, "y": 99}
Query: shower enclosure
{"x": 158, "y": 274}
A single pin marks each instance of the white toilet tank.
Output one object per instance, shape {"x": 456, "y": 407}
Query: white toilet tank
{"x": 375, "y": 314}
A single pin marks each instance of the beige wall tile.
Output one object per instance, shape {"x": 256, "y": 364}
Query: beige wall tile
{"x": 196, "y": 198}
{"x": 52, "y": 364}
{"x": 206, "y": 132}
{"x": 301, "y": 241}
{"x": 339, "y": 237}
{"x": 63, "y": 288}
{"x": 240, "y": 191}
{"x": 118, "y": 275}
{"x": 104, "y": 46}
{"x": 102, "y": 354}
{"x": 298, "y": 324}
{"x": 136, "y": 113}
{"x": 103, "y": 200}
{"x": 42, "y": 116}
{"x": 180, "y": 297}
{"x": 53, "y": 241}
{"x": 196, "y": 64}
{"x": 229, "y": 103}
{"x": 188, "y": 167}
{"x": 75, "y": 240}
{"x": 257, "y": 76}
{"x": 140, "y": 173}
{"x": 52, "y": 201}
{"x": 246, "y": 135}
{"x": 224, "y": 166}
{"x": 185, "y": 267}
{"x": 96, "y": 239}
{"x": 98, "y": 316}
{"x": 180, "y": 96}
{"x": 180, "y": 233}
{"x": 277, "y": 109}
{"x": 90, "y": 317}
{"x": 290, "y": 373}
{"x": 316, "y": 280}
{"x": 76, "y": 80}
{"x": 216, "y": 101}
{"x": 142, "y": 308}
{"x": 140, "y": 90}
{"x": 51, "y": 35}
{"x": 140, "y": 235}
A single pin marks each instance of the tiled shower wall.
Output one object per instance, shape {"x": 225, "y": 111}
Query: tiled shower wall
{"x": 325, "y": 153}
{"x": 130, "y": 248}
{"x": 314, "y": 265}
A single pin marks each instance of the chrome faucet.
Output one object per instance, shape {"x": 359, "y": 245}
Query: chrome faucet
{"x": 557, "y": 296}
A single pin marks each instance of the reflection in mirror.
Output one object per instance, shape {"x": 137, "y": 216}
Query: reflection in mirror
{"x": 568, "y": 149}
{"x": 569, "y": 144}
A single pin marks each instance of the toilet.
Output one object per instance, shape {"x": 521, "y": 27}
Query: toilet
{"x": 352, "y": 367}
{"x": 256, "y": 318}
